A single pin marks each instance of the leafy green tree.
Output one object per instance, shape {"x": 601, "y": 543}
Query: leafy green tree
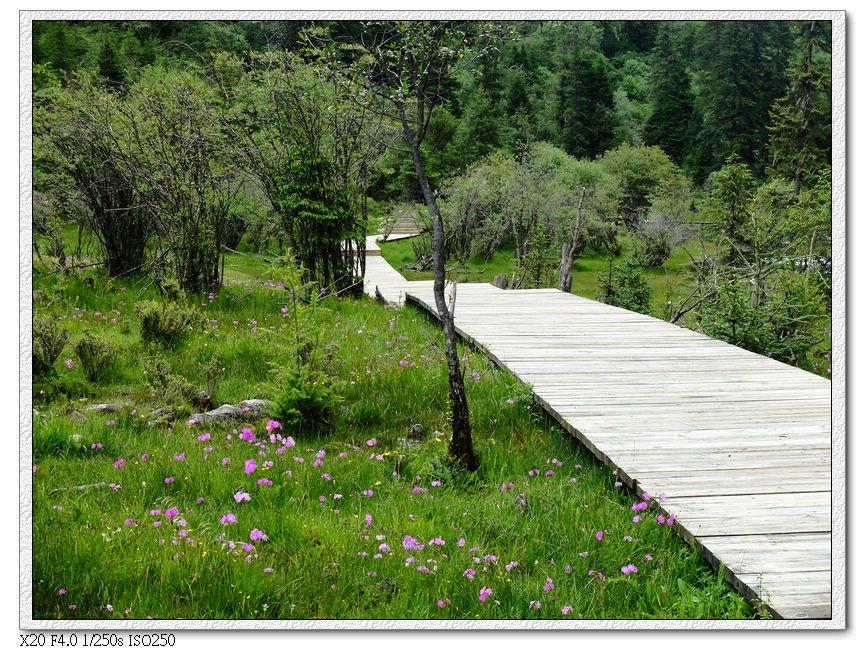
{"x": 439, "y": 144}
{"x": 622, "y": 36}
{"x": 59, "y": 43}
{"x": 786, "y": 326}
{"x": 586, "y": 105}
{"x": 643, "y": 173}
{"x": 800, "y": 130}
{"x": 740, "y": 72}
{"x": 110, "y": 64}
{"x": 477, "y": 133}
{"x": 405, "y": 64}
{"x": 808, "y": 226}
{"x": 672, "y": 101}
{"x": 82, "y": 132}
{"x": 537, "y": 266}
{"x": 540, "y": 203}
{"x": 767, "y": 292}
{"x": 729, "y": 203}
{"x": 624, "y": 286}
{"x": 181, "y": 160}
{"x": 311, "y": 148}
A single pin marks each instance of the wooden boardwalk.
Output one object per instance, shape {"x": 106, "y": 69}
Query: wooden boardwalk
{"x": 738, "y": 444}
{"x": 381, "y": 279}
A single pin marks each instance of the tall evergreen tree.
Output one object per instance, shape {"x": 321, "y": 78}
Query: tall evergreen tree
{"x": 672, "y": 100}
{"x": 110, "y": 64}
{"x": 586, "y": 105}
{"x": 477, "y": 133}
{"x": 729, "y": 203}
{"x": 741, "y": 72}
{"x": 800, "y": 133}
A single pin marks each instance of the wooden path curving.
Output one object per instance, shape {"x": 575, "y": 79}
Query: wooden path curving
{"x": 739, "y": 444}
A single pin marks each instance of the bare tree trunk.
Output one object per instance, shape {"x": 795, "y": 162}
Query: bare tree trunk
{"x": 461, "y": 438}
{"x": 566, "y": 268}
{"x": 810, "y": 255}
{"x": 570, "y": 252}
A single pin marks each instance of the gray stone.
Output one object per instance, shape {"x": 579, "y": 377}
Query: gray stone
{"x": 222, "y": 414}
{"x": 106, "y": 408}
{"x": 501, "y": 281}
{"x": 255, "y": 408}
{"x": 76, "y": 415}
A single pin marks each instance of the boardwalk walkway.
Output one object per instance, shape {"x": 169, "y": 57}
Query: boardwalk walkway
{"x": 739, "y": 444}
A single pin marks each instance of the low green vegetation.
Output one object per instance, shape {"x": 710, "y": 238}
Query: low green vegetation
{"x": 202, "y": 191}
{"x": 351, "y": 511}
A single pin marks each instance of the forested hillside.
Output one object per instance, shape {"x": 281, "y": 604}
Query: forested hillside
{"x": 692, "y": 156}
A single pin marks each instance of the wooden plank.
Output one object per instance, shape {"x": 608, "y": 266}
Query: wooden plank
{"x": 628, "y": 425}
{"x": 686, "y": 440}
{"x": 752, "y": 514}
{"x": 793, "y": 583}
{"x": 790, "y": 595}
{"x": 726, "y": 482}
{"x": 727, "y": 478}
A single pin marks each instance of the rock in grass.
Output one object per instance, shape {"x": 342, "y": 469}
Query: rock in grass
{"x": 106, "y": 408}
{"x": 255, "y": 408}
{"x": 224, "y": 413}
{"x": 77, "y": 415}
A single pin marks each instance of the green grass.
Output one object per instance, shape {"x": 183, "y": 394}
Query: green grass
{"x": 95, "y": 537}
{"x": 667, "y": 282}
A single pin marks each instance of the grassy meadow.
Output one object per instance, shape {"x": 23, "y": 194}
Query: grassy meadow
{"x": 139, "y": 515}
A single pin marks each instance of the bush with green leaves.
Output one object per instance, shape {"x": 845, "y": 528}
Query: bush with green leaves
{"x": 96, "y": 356}
{"x": 306, "y": 401}
{"x": 166, "y": 322}
{"x": 48, "y": 342}
{"x": 164, "y": 384}
{"x": 656, "y": 237}
{"x": 786, "y": 326}
{"x": 602, "y": 236}
{"x": 624, "y": 286}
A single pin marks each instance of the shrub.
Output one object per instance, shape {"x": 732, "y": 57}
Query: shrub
{"x": 164, "y": 384}
{"x": 601, "y": 236}
{"x": 48, "y": 342}
{"x": 52, "y": 388}
{"x": 642, "y": 174}
{"x": 656, "y": 237}
{"x": 624, "y": 286}
{"x": 96, "y": 356}
{"x": 306, "y": 400}
{"x": 786, "y": 326}
{"x": 166, "y": 322}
